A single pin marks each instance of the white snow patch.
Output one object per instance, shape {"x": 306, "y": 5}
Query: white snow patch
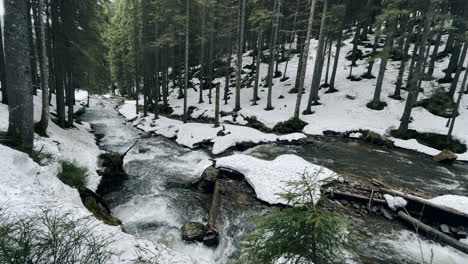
{"x": 269, "y": 178}
{"x": 395, "y": 202}
{"x": 459, "y": 203}
{"x": 192, "y": 134}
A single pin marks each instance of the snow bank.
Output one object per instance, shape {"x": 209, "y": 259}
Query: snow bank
{"x": 459, "y": 203}
{"x": 395, "y": 202}
{"x": 270, "y": 178}
{"x": 192, "y": 134}
{"x": 74, "y": 145}
{"x": 26, "y": 188}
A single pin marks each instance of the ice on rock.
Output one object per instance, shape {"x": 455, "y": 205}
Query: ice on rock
{"x": 395, "y": 202}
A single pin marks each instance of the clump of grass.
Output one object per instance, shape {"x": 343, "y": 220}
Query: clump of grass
{"x": 290, "y": 126}
{"x": 73, "y": 175}
{"x": 50, "y": 237}
{"x": 440, "y": 104}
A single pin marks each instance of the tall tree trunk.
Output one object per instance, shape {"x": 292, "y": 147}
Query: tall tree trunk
{"x": 210, "y": 67}
{"x": 187, "y": 71}
{"x": 397, "y": 93}
{"x": 304, "y": 56}
{"x": 135, "y": 51}
{"x": 255, "y": 97}
{"x": 202, "y": 53}
{"x": 413, "y": 90}
{"x": 355, "y": 48}
{"x": 18, "y": 75}
{"x": 216, "y": 122}
{"x": 2, "y": 70}
{"x": 453, "y": 85}
{"x": 327, "y": 72}
{"x": 70, "y": 93}
{"x": 240, "y": 49}
{"x": 291, "y": 41}
{"x": 58, "y": 49}
{"x": 332, "y": 88}
{"x": 435, "y": 52}
{"x": 319, "y": 57}
{"x": 41, "y": 127}
{"x": 376, "y": 103}
{"x": 157, "y": 83}
{"x": 273, "y": 40}
{"x": 457, "y": 106}
{"x": 228, "y": 68}
{"x": 368, "y": 74}
{"x": 32, "y": 49}
{"x": 165, "y": 89}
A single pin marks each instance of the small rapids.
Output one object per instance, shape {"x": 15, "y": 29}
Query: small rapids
{"x": 157, "y": 200}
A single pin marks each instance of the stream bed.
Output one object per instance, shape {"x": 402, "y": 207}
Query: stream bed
{"x": 155, "y": 202}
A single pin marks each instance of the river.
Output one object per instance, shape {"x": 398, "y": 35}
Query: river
{"x": 153, "y": 203}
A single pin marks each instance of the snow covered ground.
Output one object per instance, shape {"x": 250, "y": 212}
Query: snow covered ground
{"x": 192, "y": 134}
{"x": 338, "y": 112}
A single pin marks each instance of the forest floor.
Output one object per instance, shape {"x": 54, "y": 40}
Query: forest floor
{"x": 343, "y": 111}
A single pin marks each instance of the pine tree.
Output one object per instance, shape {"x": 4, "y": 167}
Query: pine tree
{"x": 18, "y": 75}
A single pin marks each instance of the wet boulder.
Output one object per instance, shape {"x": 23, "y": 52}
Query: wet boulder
{"x": 207, "y": 180}
{"x": 211, "y": 238}
{"x": 376, "y": 139}
{"x": 445, "y": 156}
{"x": 194, "y": 232}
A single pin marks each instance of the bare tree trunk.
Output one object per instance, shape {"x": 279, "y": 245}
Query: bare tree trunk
{"x": 202, "y": 54}
{"x": 240, "y": 48}
{"x": 274, "y": 38}
{"x": 2, "y": 71}
{"x": 457, "y": 105}
{"x": 413, "y": 90}
{"x": 291, "y": 41}
{"x": 156, "y": 73}
{"x": 41, "y": 127}
{"x": 228, "y": 68}
{"x": 257, "y": 72}
{"x": 216, "y": 123}
{"x": 368, "y": 74}
{"x": 332, "y": 88}
{"x": 186, "y": 59}
{"x": 453, "y": 85}
{"x": 376, "y": 103}
{"x": 435, "y": 52}
{"x": 304, "y": 55}
{"x": 318, "y": 68}
{"x": 18, "y": 75}
{"x": 397, "y": 93}
{"x": 135, "y": 50}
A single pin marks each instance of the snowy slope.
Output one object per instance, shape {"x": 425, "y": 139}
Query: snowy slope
{"x": 337, "y": 112}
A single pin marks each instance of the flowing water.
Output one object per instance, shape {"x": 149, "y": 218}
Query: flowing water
{"x": 154, "y": 203}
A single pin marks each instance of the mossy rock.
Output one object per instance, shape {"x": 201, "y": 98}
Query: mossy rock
{"x": 440, "y": 104}
{"x": 253, "y": 122}
{"x": 376, "y": 139}
{"x": 113, "y": 175}
{"x": 96, "y": 205}
{"x": 290, "y": 126}
{"x": 433, "y": 140}
{"x": 376, "y": 105}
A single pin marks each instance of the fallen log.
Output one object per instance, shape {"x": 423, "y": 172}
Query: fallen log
{"x": 433, "y": 233}
{"x": 211, "y": 237}
{"x": 360, "y": 198}
{"x": 446, "y": 215}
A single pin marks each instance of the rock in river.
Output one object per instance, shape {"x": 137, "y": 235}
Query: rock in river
{"x": 194, "y": 231}
{"x": 445, "y": 156}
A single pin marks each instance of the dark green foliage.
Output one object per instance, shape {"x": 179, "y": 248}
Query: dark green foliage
{"x": 433, "y": 140}
{"x": 73, "y": 175}
{"x": 290, "y": 126}
{"x": 439, "y": 104}
{"x": 50, "y": 238}
{"x": 303, "y": 233}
